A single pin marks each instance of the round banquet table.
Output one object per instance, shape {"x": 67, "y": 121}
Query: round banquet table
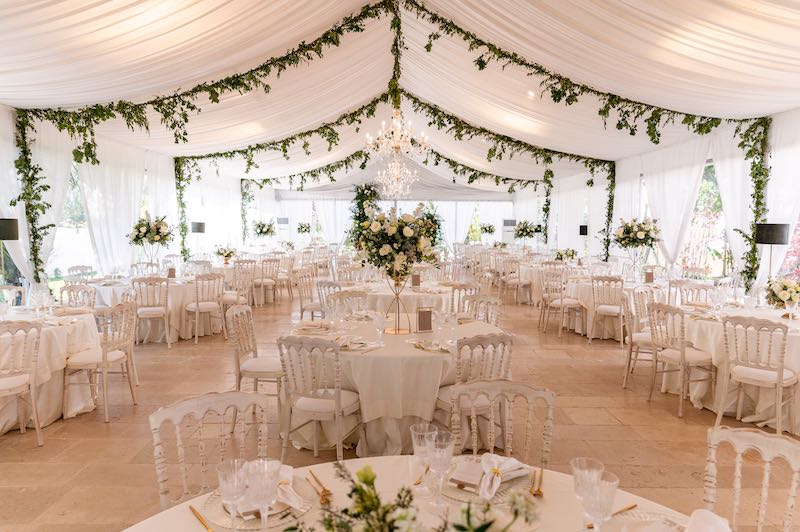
{"x": 707, "y": 334}
{"x": 397, "y": 385}
{"x": 181, "y": 293}
{"x": 558, "y": 509}
{"x": 61, "y": 336}
{"x": 428, "y": 294}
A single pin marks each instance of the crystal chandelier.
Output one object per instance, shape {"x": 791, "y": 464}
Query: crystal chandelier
{"x": 398, "y": 139}
{"x": 396, "y": 179}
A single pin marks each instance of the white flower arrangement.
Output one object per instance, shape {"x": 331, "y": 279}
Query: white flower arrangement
{"x": 303, "y": 228}
{"x": 500, "y": 245}
{"x": 779, "y": 291}
{"x": 395, "y": 243}
{"x": 261, "y": 228}
{"x": 287, "y": 245}
{"x": 150, "y": 231}
{"x": 525, "y": 229}
{"x": 487, "y": 229}
{"x": 636, "y": 234}
{"x": 224, "y": 252}
{"x": 566, "y": 254}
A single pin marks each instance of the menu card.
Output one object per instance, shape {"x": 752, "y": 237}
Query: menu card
{"x": 424, "y": 319}
{"x": 415, "y": 278}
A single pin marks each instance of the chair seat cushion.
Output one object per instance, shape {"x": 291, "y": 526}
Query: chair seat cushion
{"x": 641, "y": 338}
{"x": 312, "y": 305}
{"x": 204, "y": 306}
{"x": 694, "y": 356}
{"x": 266, "y": 281}
{"x": 93, "y": 355}
{"x": 766, "y": 376}
{"x": 565, "y": 302}
{"x": 151, "y": 312}
{"x": 232, "y": 297}
{"x": 262, "y": 365}
{"x": 446, "y": 397}
{"x": 327, "y": 405}
{"x": 608, "y": 310}
{"x": 11, "y": 382}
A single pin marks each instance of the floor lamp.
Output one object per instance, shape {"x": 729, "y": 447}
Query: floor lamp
{"x": 198, "y": 228}
{"x": 583, "y": 230}
{"x": 9, "y": 230}
{"x": 772, "y": 235}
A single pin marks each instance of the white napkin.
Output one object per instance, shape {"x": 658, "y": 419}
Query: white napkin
{"x": 496, "y": 470}
{"x": 350, "y": 341}
{"x": 707, "y": 521}
{"x": 286, "y": 493}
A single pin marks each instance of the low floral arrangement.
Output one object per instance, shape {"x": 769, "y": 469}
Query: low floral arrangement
{"x": 151, "y": 231}
{"x": 636, "y": 234}
{"x": 395, "y": 243}
{"x": 368, "y": 512}
{"x": 525, "y": 229}
{"x": 487, "y": 229}
{"x": 287, "y": 245}
{"x": 500, "y": 245}
{"x": 303, "y": 228}
{"x": 566, "y": 254}
{"x": 779, "y": 291}
{"x": 264, "y": 228}
{"x": 225, "y": 252}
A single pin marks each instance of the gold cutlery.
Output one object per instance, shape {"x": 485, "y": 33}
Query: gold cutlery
{"x": 538, "y": 491}
{"x": 533, "y": 482}
{"x": 620, "y": 511}
{"x": 422, "y": 476}
{"x": 200, "y": 518}
{"x": 325, "y": 494}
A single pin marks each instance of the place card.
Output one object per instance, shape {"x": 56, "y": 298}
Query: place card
{"x": 424, "y": 319}
{"x": 649, "y": 276}
{"x": 171, "y": 273}
{"x": 415, "y": 279}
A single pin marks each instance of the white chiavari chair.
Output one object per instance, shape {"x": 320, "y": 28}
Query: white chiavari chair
{"x": 498, "y": 397}
{"x": 668, "y": 337}
{"x": 771, "y": 449}
{"x": 555, "y": 300}
{"x": 285, "y": 277}
{"x": 324, "y": 291}
{"x": 144, "y": 269}
{"x": 305, "y": 290}
{"x": 80, "y": 270}
{"x": 313, "y": 378}
{"x": 116, "y": 345}
{"x": 20, "y": 341}
{"x": 72, "y": 280}
{"x": 607, "y": 294}
{"x": 171, "y": 260}
{"x": 78, "y": 295}
{"x": 756, "y": 351}
{"x": 151, "y": 295}
{"x": 198, "y": 267}
{"x": 241, "y": 287}
{"x": 199, "y": 425}
{"x": 483, "y": 308}
{"x": 347, "y": 302}
{"x": 266, "y": 279}
{"x": 208, "y": 290}
{"x": 694, "y": 293}
{"x": 458, "y": 293}
{"x": 247, "y": 362}
{"x": 637, "y": 324}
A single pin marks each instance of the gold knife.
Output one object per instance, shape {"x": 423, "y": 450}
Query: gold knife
{"x": 200, "y": 518}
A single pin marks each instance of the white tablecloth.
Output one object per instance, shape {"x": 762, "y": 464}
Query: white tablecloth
{"x": 397, "y": 385}
{"x": 181, "y": 293}
{"x": 71, "y": 334}
{"x": 429, "y": 294}
{"x": 759, "y": 402}
{"x": 557, "y": 510}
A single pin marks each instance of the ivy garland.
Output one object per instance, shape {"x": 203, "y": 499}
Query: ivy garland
{"x": 183, "y": 176}
{"x": 364, "y": 195}
{"x": 611, "y": 184}
{"x": 547, "y": 179}
{"x": 246, "y": 199}
{"x": 472, "y": 174}
{"x": 33, "y": 187}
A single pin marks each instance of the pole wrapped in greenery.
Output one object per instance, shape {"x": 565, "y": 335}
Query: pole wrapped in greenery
{"x": 364, "y": 195}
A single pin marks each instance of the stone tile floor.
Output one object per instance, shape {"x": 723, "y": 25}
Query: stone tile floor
{"x": 95, "y": 476}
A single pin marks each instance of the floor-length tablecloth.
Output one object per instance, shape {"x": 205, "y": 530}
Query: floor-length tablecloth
{"x": 61, "y": 336}
{"x": 429, "y": 294}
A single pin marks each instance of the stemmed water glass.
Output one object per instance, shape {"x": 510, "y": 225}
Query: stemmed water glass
{"x": 232, "y": 483}
{"x": 597, "y": 501}
{"x": 422, "y": 436}
{"x": 791, "y": 305}
{"x": 378, "y": 320}
{"x": 262, "y": 486}
{"x": 440, "y": 456}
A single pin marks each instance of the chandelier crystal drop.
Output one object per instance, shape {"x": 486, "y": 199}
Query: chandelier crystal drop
{"x": 398, "y": 139}
{"x": 396, "y": 179}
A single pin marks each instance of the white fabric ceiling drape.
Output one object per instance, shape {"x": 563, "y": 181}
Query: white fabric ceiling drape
{"x": 112, "y": 193}
{"x": 672, "y": 177}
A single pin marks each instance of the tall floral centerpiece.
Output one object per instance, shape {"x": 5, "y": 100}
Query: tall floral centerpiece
{"x": 783, "y": 293}
{"x": 226, "y": 253}
{"x": 525, "y": 230}
{"x": 394, "y": 244}
{"x": 486, "y": 231}
{"x": 566, "y": 254}
{"x": 303, "y": 228}
{"x": 264, "y": 229}
{"x": 151, "y": 234}
{"x": 635, "y": 235}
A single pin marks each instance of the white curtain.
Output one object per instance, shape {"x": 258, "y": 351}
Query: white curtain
{"x": 570, "y": 195}
{"x": 464, "y": 212}
{"x": 112, "y": 192}
{"x": 782, "y": 204}
{"x": 598, "y": 203}
{"x": 161, "y": 195}
{"x": 326, "y": 212}
{"x": 447, "y": 210}
{"x": 628, "y": 189}
{"x": 672, "y": 176}
{"x": 216, "y": 201}
{"x": 733, "y": 177}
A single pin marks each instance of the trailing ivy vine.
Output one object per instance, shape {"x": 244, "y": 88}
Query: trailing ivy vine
{"x": 184, "y": 172}
{"x": 32, "y": 189}
{"x": 472, "y": 174}
{"x": 548, "y": 190}
{"x": 611, "y": 184}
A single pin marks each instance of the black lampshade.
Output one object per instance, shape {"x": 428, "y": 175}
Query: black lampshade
{"x": 772, "y": 234}
{"x": 9, "y": 229}
{"x": 198, "y": 227}
{"x": 583, "y": 230}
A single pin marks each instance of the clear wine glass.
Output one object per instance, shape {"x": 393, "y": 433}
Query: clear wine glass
{"x": 232, "y": 482}
{"x": 791, "y": 305}
{"x": 598, "y": 499}
{"x": 585, "y": 472}
{"x": 440, "y": 456}
{"x": 262, "y": 486}
{"x": 378, "y": 320}
{"x": 422, "y": 435}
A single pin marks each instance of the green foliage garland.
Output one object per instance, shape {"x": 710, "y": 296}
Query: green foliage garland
{"x": 548, "y": 191}
{"x": 611, "y": 184}
{"x": 246, "y": 199}
{"x": 182, "y": 178}
{"x": 472, "y": 174}
{"x": 363, "y": 195}
{"x": 398, "y": 45}
{"x": 33, "y": 187}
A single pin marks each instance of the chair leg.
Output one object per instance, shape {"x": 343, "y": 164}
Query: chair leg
{"x": 316, "y": 439}
{"x": 723, "y": 400}
{"x": 739, "y": 401}
{"x": 129, "y": 374}
{"x": 166, "y": 337}
{"x": 22, "y": 418}
{"x": 37, "y": 424}
{"x": 105, "y": 394}
{"x": 196, "y": 326}
{"x": 628, "y": 363}
{"x": 779, "y": 410}
{"x": 339, "y": 438}
{"x": 286, "y": 434}
{"x": 590, "y": 328}
{"x": 653, "y": 377}
{"x": 65, "y": 398}
{"x": 684, "y": 385}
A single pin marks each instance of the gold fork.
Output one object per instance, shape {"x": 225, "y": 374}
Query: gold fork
{"x": 538, "y": 492}
{"x": 324, "y": 500}
{"x": 325, "y": 491}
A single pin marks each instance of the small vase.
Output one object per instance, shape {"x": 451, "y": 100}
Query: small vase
{"x": 226, "y": 260}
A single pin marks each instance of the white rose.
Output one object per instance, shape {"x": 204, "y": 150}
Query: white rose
{"x": 640, "y": 235}
{"x": 375, "y": 227}
{"x": 142, "y": 229}
{"x": 620, "y": 231}
{"x": 157, "y": 237}
{"x": 385, "y": 250}
{"x": 369, "y": 211}
{"x": 408, "y": 218}
{"x": 392, "y": 229}
{"x": 408, "y": 232}
{"x": 424, "y": 243}
{"x": 783, "y": 295}
{"x": 796, "y": 297}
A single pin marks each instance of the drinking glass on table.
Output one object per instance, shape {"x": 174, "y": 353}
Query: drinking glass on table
{"x": 598, "y": 499}
{"x": 791, "y": 305}
{"x": 231, "y": 485}
{"x": 585, "y": 472}
{"x": 422, "y": 435}
{"x": 378, "y": 319}
{"x": 440, "y": 456}
{"x": 262, "y": 485}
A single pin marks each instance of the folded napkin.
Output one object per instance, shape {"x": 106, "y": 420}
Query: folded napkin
{"x": 286, "y": 496}
{"x": 707, "y": 521}
{"x": 496, "y": 470}
{"x": 350, "y": 341}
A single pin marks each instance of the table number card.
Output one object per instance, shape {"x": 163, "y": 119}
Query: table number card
{"x": 171, "y": 273}
{"x": 415, "y": 278}
{"x": 424, "y": 319}
{"x": 649, "y": 276}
